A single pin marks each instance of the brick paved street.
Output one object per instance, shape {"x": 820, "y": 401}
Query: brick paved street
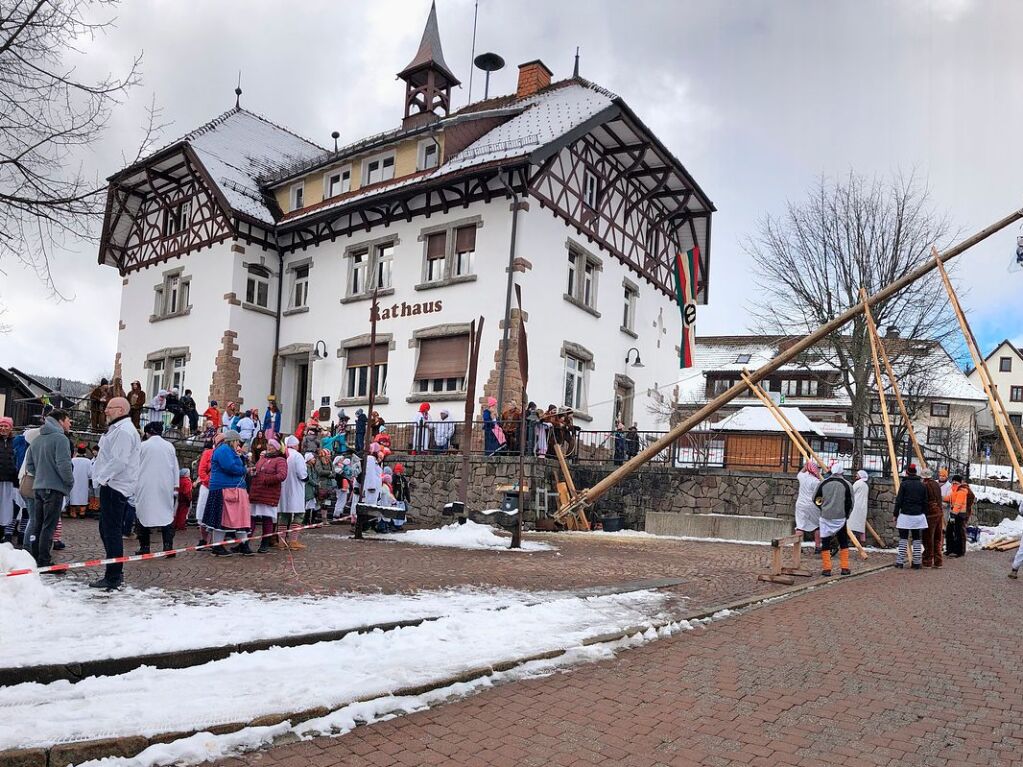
{"x": 896, "y": 668}
{"x": 713, "y": 572}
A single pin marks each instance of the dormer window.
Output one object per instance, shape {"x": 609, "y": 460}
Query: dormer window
{"x": 379, "y": 169}
{"x": 338, "y": 182}
{"x": 297, "y": 196}
{"x": 429, "y": 154}
{"x": 742, "y": 359}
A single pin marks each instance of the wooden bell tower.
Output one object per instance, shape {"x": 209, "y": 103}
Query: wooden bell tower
{"x": 428, "y": 81}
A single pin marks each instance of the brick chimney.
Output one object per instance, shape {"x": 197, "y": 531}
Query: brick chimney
{"x": 533, "y": 75}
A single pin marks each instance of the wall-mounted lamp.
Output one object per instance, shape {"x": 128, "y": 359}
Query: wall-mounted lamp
{"x": 317, "y": 354}
{"x": 638, "y": 363}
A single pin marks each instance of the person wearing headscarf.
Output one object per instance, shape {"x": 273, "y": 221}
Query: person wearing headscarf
{"x": 184, "y": 499}
{"x": 154, "y": 492}
{"x": 136, "y": 401}
{"x": 443, "y": 430}
{"x": 268, "y": 475}
{"x": 203, "y": 471}
{"x": 807, "y": 512}
{"x": 421, "y": 430}
{"x": 491, "y": 443}
{"x": 861, "y": 498}
{"x": 310, "y": 436}
{"x": 834, "y": 496}
{"x": 374, "y": 475}
{"x": 157, "y": 406}
{"x": 910, "y": 517}
{"x": 227, "y": 472}
{"x": 291, "y": 508}
{"x": 935, "y": 522}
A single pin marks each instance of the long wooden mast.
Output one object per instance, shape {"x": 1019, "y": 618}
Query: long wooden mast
{"x": 591, "y": 495}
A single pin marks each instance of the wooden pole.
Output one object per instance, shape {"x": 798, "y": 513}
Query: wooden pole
{"x": 872, "y": 327}
{"x": 985, "y": 376}
{"x": 590, "y": 495}
{"x": 884, "y": 407}
{"x": 475, "y": 336}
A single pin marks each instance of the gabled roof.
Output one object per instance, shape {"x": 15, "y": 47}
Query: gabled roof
{"x": 237, "y": 149}
{"x": 759, "y": 418}
{"x": 1005, "y": 342}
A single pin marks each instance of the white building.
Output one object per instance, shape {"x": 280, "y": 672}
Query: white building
{"x": 249, "y": 255}
{"x": 1005, "y": 363}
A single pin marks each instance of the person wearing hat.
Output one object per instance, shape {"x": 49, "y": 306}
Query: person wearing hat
{"x": 292, "y": 504}
{"x": 154, "y": 492}
{"x": 911, "y": 517}
{"x": 960, "y": 500}
{"x": 834, "y": 496}
{"x": 343, "y": 479}
{"x": 269, "y": 473}
{"x": 115, "y": 473}
{"x": 443, "y": 430}
{"x": 222, "y": 514}
{"x": 861, "y": 500}
{"x": 807, "y": 513}
{"x": 935, "y": 521}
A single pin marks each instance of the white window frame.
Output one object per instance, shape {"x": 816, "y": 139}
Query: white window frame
{"x": 423, "y": 149}
{"x": 296, "y": 195}
{"x": 574, "y": 259}
{"x": 383, "y": 266}
{"x": 630, "y": 299}
{"x": 255, "y": 281}
{"x": 576, "y": 369}
{"x": 344, "y": 181}
{"x": 591, "y": 189}
{"x": 583, "y": 284}
{"x": 357, "y": 381}
{"x": 177, "y": 373}
{"x": 466, "y": 258}
{"x": 300, "y": 285}
{"x": 383, "y": 168}
{"x": 358, "y": 268}
{"x": 173, "y": 291}
{"x": 435, "y": 269}
{"x": 176, "y": 219}
{"x": 157, "y": 375}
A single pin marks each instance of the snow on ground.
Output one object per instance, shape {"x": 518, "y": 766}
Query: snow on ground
{"x": 69, "y": 622}
{"x": 998, "y": 495}
{"x": 149, "y": 701}
{"x": 468, "y": 536}
{"x": 1007, "y": 528}
{"x": 991, "y": 471}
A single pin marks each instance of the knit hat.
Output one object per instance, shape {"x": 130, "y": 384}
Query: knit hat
{"x": 183, "y": 473}
{"x": 291, "y": 441}
{"x": 272, "y": 444}
{"x": 232, "y": 436}
{"x": 813, "y": 468}
{"x": 444, "y": 414}
{"x": 399, "y": 468}
{"x": 942, "y": 473}
{"x": 491, "y": 401}
{"x": 911, "y": 470}
{"x": 6, "y": 421}
{"x": 424, "y": 407}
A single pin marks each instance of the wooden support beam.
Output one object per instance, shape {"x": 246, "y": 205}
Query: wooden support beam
{"x": 590, "y": 495}
{"x": 872, "y": 326}
{"x": 797, "y": 439}
{"x": 884, "y": 405}
{"x": 1001, "y": 419}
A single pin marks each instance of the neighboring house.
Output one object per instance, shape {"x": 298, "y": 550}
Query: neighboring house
{"x": 13, "y": 390}
{"x": 23, "y": 396}
{"x": 249, "y": 256}
{"x": 1005, "y": 363}
{"x": 943, "y": 404}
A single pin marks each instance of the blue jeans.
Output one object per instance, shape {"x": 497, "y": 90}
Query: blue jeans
{"x": 113, "y": 508}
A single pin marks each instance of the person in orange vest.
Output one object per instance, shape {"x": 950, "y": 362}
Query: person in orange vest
{"x": 960, "y": 499}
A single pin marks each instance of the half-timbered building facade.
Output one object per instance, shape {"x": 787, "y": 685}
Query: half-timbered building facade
{"x": 249, "y": 256}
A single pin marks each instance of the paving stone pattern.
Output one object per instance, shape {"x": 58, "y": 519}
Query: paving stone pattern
{"x": 896, "y": 668}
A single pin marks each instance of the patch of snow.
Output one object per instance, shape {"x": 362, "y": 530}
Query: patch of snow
{"x": 991, "y": 471}
{"x": 471, "y": 535}
{"x": 149, "y": 701}
{"x": 1006, "y": 529}
{"x": 759, "y": 418}
{"x": 998, "y": 495}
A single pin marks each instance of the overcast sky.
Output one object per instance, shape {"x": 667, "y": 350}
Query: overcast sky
{"x": 757, "y": 99}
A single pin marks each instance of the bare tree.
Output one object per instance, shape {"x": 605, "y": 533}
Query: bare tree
{"x": 47, "y": 114}
{"x": 811, "y": 262}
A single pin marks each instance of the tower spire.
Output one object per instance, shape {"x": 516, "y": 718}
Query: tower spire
{"x": 428, "y": 79}
{"x": 575, "y": 69}
{"x": 238, "y": 92}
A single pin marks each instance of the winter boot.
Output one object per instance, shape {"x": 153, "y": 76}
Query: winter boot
{"x": 826, "y": 563}
{"x": 244, "y": 549}
{"x": 264, "y": 546}
{"x": 1014, "y": 574}
{"x": 843, "y": 560}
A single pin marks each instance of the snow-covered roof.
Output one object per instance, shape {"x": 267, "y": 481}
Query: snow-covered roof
{"x": 759, "y": 418}
{"x": 536, "y": 122}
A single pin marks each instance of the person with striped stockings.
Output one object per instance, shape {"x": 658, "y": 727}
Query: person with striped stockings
{"x": 911, "y": 517}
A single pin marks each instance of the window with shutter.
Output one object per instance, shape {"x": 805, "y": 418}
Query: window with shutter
{"x": 465, "y": 249}
{"x": 436, "y": 250}
{"x": 442, "y": 364}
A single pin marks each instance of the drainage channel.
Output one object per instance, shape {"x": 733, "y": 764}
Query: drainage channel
{"x": 74, "y": 672}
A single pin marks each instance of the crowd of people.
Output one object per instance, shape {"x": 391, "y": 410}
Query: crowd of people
{"x": 930, "y": 515}
{"x": 252, "y": 481}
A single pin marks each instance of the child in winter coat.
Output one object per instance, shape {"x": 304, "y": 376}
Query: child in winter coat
{"x": 184, "y": 499}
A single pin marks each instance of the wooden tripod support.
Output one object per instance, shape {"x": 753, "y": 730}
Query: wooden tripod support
{"x": 573, "y": 517}
{"x": 1005, "y": 427}
{"x": 779, "y": 572}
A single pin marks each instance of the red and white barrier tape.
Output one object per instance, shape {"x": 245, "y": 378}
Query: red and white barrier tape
{"x": 63, "y": 567}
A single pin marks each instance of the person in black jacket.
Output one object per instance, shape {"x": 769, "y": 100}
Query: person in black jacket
{"x": 911, "y": 517}
{"x": 8, "y": 475}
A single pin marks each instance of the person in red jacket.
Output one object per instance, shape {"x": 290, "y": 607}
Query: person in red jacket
{"x": 265, "y": 491}
{"x": 184, "y": 499}
{"x": 205, "y": 463}
{"x": 212, "y": 415}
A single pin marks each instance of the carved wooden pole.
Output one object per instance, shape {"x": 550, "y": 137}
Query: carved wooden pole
{"x": 591, "y": 495}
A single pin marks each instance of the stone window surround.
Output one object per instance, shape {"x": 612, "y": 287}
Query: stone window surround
{"x": 449, "y": 252}
{"x": 269, "y": 277}
{"x": 438, "y": 331}
{"x": 582, "y": 353}
{"x": 161, "y": 289}
{"x": 625, "y": 382}
{"x": 370, "y": 248}
{"x": 589, "y": 258}
{"x": 633, "y": 288}
{"x": 165, "y": 356}
{"x": 289, "y": 270}
{"x": 342, "y": 354}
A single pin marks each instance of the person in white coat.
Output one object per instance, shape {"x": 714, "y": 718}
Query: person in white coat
{"x": 808, "y": 515}
{"x": 861, "y": 496}
{"x": 291, "y": 508}
{"x": 374, "y": 476}
{"x": 81, "y": 471}
{"x": 154, "y": 493}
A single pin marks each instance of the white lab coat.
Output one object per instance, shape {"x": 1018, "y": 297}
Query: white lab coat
{"x": 808, "y": 514}
{"x": 158, "y": 479}
{"x": 117, "y": 465}
{"x": 372, "y": 481}
{"x": 421, "y": 433}
{"x": 293, "y": 487}
{"x": 443, "y": 430}
{"x": 81, "y": 471}
{"x": 858, "y": 518}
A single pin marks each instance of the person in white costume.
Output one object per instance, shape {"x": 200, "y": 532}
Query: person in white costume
{"x": 81, "y": 470}
{"x": 861, "y": 496}
{"x": 443, "y": 430}
{"x": 154, "y": 493}
{"x": 291, "y": 508}
{"x": 374, "y": 476}
{"x": 808, "y": 515}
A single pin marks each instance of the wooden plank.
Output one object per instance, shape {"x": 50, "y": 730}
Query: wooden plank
{"x": 874, "y": 343}
{"x": 565, "y": 473}
{"x": 785, "y": 580}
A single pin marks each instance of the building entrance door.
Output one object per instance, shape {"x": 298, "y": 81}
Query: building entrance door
{"x": 623, "y": 403}
{"x": 301, "y": 387}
